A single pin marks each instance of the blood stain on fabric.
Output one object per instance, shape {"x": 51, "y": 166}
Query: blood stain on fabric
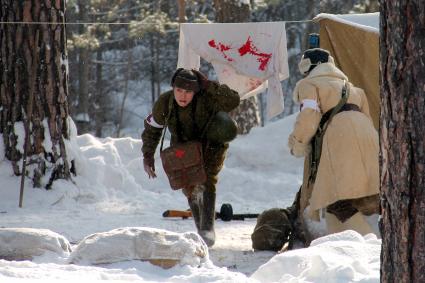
{"x": 253, "y": 83}
{"x": 250, "y": 48}
{"x": 222, "y": 48}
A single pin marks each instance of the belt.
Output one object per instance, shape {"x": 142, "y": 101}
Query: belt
{"x": 345, "y": 107}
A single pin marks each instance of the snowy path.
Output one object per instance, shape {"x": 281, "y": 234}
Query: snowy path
{"x": 112, "y": 191}
{"x": 233, "y": 243}
{"x": 233, "y": 247}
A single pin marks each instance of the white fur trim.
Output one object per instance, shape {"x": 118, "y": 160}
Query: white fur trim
{"x": 309, "y": 103}
{"x": 151, "y": 121}
{"x": 304, "y": 65}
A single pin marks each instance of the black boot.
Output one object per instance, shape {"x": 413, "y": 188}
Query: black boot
{"x": 207, "y": 215}
{"x": 194, "y": 200}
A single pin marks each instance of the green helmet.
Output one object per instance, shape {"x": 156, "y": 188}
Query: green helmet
{"x": 222, "y": 128}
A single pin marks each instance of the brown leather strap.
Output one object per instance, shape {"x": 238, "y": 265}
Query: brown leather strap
{"x": 345, "y": 107}
{"x": 350, "y": 107}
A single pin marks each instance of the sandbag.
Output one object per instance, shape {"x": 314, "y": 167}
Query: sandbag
{"x": 27, "y": 243}
{"x": 272, "y": 230}
{"x": 159, "y": 247}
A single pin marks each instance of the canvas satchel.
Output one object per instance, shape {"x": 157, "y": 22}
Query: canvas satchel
{"x": 183, "y": 163}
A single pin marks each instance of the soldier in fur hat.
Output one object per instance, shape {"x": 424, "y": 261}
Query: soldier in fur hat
{"x": 343, "y": 182}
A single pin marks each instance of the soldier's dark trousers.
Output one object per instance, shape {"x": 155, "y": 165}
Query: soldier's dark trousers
{"x": 194, "y": 204}
{"x": 207, "y": 218}
{"x": 202, "y": 205}
{"x": 202, "y": 198}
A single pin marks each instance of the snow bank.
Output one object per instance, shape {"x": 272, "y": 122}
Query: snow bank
{"x": 260, "y": 168}
{"x": 27, "y": 243}
{"x": 341, "y": 257}
{"x": 265, "y": 148}
{"x": 160, "y": 247}
{"x": 130, "y": 271}
{"x": 111, "y": 190}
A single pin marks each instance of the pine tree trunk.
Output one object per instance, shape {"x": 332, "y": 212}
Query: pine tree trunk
{"x": 182, "y": 10}
{"x": 402, "y": 132}
{"x": 100, "y": 111}
{"x": 152, "y": 68}
{"x": 247, "y": 115}
{"x": 82, "y": 118}
{"x": 372, "y": 6}
{"x": 157, "y": 47}
{"x": 36, "y": 69}
{"x": 127, "y": 78}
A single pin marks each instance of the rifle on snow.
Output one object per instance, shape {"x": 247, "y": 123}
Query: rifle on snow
{"x": 225, "y": 214}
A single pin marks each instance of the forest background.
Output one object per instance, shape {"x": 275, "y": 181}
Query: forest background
{"x": 118, "y": 70}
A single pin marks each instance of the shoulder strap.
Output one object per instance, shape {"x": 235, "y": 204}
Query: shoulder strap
{"x": 324, "y": 122}
{"x": 345, "y": 93}
{"x": 170, "y": 109}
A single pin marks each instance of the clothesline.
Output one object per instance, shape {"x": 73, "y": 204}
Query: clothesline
{"x": 102, "y": 23}
{"x": 301, "y": 21}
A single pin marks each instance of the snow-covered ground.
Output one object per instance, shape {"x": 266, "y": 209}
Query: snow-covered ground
{"x": 112, "y": 191}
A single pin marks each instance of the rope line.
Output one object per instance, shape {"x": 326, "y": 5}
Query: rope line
{"x": 301, "y": 21}
{"x": 70, "y": 23}
{"x": 102, "y": 23}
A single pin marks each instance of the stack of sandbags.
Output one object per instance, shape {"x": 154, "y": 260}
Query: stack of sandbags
{"x": 26, "y": 243}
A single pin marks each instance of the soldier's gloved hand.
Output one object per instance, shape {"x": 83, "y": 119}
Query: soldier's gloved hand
{"x": 297, "y": 148}
{"x": 202, "y": 79}
{"x": 149, "y": 166}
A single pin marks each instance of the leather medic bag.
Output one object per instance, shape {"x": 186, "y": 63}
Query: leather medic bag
{"x": 184, "y": 162}
{"x": 184, "y": 165}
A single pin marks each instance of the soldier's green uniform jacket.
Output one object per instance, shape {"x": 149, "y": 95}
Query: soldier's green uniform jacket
{"x": 188, "y": 123}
